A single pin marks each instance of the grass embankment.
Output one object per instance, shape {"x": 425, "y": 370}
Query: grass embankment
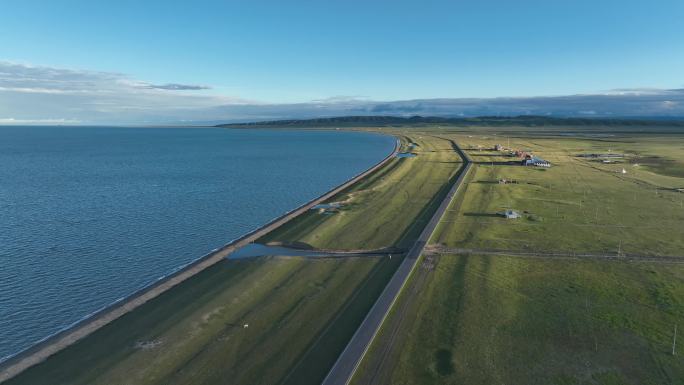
{"x": 510, "y": 320}
{"x": 196, "y": 334}
{"x": 300, "y": 312}
{"x": 387, "y": 209}
{"x": 578, "y": 205}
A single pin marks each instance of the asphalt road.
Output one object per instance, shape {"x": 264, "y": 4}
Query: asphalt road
{"x": 347, "y": 363}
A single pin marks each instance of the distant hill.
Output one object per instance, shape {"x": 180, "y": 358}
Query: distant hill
{"x": 526, "y": 121}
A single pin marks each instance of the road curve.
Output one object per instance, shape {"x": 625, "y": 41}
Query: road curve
{"x": 344, "y": 368}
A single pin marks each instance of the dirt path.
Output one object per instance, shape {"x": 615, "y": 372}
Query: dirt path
{"x": 438, "y": 250}
{"x": 384, "y": 362}
{"x": 346, "y": 365}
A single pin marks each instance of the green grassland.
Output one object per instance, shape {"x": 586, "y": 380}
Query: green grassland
{"x": 497, "y": 319}
{"x": 473, "y": 319}
{"x": 300, "y": 314}
{"x": 578, "y": 205}
{"x": 511, "y": 320}
{"x": 386, "y": 209}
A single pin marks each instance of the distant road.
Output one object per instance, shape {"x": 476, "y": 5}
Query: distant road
{"x": 346, "y": 365}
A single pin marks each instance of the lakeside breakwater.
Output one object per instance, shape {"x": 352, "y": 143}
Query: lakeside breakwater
{"x": 84, "y": 327}
{"x": 89, "y": 215}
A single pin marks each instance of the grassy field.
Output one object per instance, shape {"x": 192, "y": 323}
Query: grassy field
{"x": 387, "y": 209}
{"x": 578, "y": 205}
{"x": 473, "y": 319}
{"x": 299, "y": 313}
{"x": 511, "y": 320}
{"x": 497, "y": 319}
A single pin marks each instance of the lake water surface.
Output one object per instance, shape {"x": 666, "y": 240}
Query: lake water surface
{"x": 89, "y": 215}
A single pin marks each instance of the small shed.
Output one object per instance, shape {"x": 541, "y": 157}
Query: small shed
{"x": 536, "y": 162}
{"x": 507, "y": 181}
{"x": 511, "y": 214}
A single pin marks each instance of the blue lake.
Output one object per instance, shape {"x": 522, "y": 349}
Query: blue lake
{"x": 89, "y": 215}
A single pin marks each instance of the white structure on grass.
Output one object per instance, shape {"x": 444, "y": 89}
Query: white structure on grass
{"x": 511, "y": 214}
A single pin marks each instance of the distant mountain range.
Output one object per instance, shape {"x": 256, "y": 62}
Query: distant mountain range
{"x": 525, "y": 121}
{"x": 46, "y": 95}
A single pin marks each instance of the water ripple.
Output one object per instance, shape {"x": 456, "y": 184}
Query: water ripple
{"x": 88, "y": 215}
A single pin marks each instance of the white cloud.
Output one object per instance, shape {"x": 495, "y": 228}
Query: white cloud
{"x": 44, "y": 95}
{"x": 12, "y": 121}
{"x": 176, "y": 87}
{"x": 341, "y": 99}
{"x": 634, "y": 91}
{"x": 35, "y": 93}
{"x": 656, "y": 103}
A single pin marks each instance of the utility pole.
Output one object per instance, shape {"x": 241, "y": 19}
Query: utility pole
{"x": 674, "y": 341}
{"x": 620, "y": 247}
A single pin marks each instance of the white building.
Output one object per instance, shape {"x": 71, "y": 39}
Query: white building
{"x": 511, "y": 214}
{"x": 536, "y": 162}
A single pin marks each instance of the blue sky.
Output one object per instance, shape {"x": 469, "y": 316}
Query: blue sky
{"x": 285, "y": 52}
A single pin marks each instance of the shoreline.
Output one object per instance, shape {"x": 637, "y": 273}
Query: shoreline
{"x": 43, "y": 349}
